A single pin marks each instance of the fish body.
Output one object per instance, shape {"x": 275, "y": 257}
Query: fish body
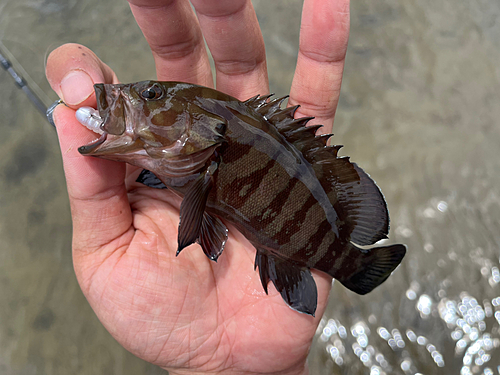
{"x": 253, "y": 164}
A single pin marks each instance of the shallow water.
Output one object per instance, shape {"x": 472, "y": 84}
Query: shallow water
{"x": 419, "y": 111}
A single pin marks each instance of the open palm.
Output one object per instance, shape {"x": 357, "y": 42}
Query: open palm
{"x": 187, "y": 313}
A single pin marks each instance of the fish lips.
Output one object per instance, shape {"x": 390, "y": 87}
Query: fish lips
{"x": 111, "y": 107}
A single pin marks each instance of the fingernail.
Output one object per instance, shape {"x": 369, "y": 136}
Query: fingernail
{"x": 76, "y": 86}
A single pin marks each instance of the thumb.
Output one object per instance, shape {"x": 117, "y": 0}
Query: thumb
{"x": 98, "y": 197}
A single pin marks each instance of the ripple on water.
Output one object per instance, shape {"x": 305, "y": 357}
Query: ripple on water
{"x": 472, "y": 327}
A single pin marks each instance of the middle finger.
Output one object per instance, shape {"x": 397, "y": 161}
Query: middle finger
{"x": 233, "y": 35}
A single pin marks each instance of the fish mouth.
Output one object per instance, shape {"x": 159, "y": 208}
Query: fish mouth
{"x": 117, "y": 135}
{"x": 108, "y": 145}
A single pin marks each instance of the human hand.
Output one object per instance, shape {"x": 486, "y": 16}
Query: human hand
{"x": 186, "y": 313}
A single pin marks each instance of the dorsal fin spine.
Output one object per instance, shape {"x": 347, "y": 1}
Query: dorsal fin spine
{"x": 302, "y": 133}
{"x": 260, "y": 101}
{"x": 323, "y": 138}
{"x": 288, "y": 126}
{"x": 333, "y": 149}
{"x": 267, "y": 110}
{"x": 286, "y": 113}
{"x": 251, "y": 100}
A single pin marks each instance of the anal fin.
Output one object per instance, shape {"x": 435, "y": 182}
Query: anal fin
{"x": 377, "y": 265}
{"x": 295, "y": 283}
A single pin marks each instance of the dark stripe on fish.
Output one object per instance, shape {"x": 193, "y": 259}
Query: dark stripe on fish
{"x": 295, "y": 220}
{"x": 247, "y": 185}
{"x": 323, "y": 256}
{"x": 231, "y": 155}
{"x": 279, "y": 202}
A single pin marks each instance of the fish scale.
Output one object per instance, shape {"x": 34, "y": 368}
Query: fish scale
{"x": 252, "y": 164}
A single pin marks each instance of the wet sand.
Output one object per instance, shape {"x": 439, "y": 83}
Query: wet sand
{"x": 418, "y": 111}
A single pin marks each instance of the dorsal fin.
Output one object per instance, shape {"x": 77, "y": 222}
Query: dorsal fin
{"x": 271, "y": 107}
{"x": 357, "y": 199}
{"x": 257, "y": 101}
{"x": 286, "y": 113}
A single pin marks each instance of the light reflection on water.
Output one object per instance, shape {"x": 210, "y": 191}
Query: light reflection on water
{"x": 473, "y": 327}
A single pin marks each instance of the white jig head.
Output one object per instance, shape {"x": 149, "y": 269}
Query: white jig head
{"x": 89, "y": 117}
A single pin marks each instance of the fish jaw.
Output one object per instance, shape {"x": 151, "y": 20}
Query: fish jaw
{"x": 173, "y": 166}
{"x": 118, "y": 135}
{"x": 108, "y": 145}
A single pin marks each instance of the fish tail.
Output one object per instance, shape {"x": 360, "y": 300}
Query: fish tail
{"x": 376, "y": 265}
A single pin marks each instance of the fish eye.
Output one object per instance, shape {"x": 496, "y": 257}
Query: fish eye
{"x": 152, "y": 93}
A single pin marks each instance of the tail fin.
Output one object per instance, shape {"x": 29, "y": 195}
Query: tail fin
{"x": 376, "y": 266}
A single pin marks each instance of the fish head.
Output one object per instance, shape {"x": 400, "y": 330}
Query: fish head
{"x": 153, "y": 120}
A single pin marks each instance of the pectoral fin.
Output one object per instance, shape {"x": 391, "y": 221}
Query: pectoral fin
{"x": 212, "y": 233}
{"x": 193, "y": 208}
{"x": 295, "y": 284}
{"x": 213, "y": 236}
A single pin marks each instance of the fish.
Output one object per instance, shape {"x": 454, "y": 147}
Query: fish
{"x": 252, "y": 164}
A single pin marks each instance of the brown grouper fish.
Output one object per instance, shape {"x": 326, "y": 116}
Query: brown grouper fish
{"x": 253, "y": 165}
